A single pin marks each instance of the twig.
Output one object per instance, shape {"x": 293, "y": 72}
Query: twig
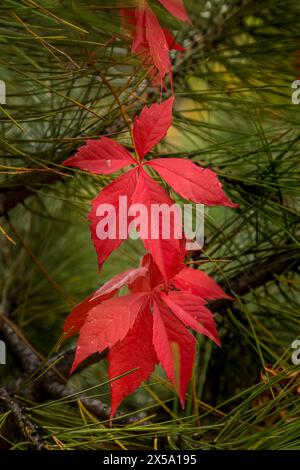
{"x": 51, "y": 381}
{"x": 29, "y": 430}
{"x": 258, "y": 275}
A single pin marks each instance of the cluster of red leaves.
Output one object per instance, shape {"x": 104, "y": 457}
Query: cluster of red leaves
{"x": 150, "y": 324}
{"x": 152, "y": 42}
{"x": 196, "y": 184}
{"x": 146, "y": 327}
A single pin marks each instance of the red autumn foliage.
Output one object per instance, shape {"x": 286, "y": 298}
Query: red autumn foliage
{"x": 150, "y": 324}
{"x": 152, "y": 42}
{"x": 104, "y": 156}
{"x": 145, "y": 327}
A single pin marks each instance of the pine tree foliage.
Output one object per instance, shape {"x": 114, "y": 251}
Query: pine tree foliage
{"x": 69, "y": 76}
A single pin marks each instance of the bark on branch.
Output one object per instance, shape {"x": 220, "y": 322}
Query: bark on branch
{"x": 52, "y": 382}
{"x": 29, "y": 430}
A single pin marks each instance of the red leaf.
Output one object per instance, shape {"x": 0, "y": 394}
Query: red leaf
{"x": 177, "y": 9}
{"x": 175, "y": 347}
{"x": 151, "y": 126}
{"x": 139, "y": 38}
{"x": 191, "y": 311}
{"x": 124, "y": 325}
{"x": 102, "y": 156}
{"x": 78, "y": 315}
{"x": 149, "y": 40}
{"x": 153, "y": 273}
{"x": 120, "y": 280}
{"x": 153, "y": 278}
{"x": 199, "y": 283}
{"x": 192, "y": 182}
{"x": 167, "y": 253}
{"x": 134, "y": 351}
{"x": 171, "y": 42}
{"x": 128, "y": 19}
{"x": 106, "y": 324}
{"x": 158, "y": 46}
{"x": 125, "y": 185}
{"x": 152, "y": 41}
{"x": 189, "y": 180}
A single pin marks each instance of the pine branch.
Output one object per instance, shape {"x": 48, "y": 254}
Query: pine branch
{"x": 22, "y": 188}
{"x": 51, "y": 381}
{"x": 10, "y": 197}
{"x": 258, "y": 275}
{"x": 209, "y": 35}
{"x": 29, "y": 430}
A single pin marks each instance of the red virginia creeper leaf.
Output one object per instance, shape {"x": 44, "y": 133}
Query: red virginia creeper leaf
{"x": 158, "y": 46}
{"x": 177, "y": 9}
{"x": 128, "y": 20}
{"x": 136, "y": 187}
{"x": 119, "y": 281}
{"x": 78, "y": 315}
{"x": 152, "y": 279}
{"x": 171, "y": 41}
{"x": 151, "y": 126}
{"x": 199, "y": 283}
{"x": 175, "y": 347}
{"x": 134, "y": 351}
{"x": 168, "y": 253}
{"x": 191, "y": 311}
{"x": 139, "y": 43}
{"x": 125, "y": 185}
{"x": 106, "y": 324}
{"x": 124, "y": 325}
{"x": 103, "y": 156}
{"x": 192, "y": 182}
{"x": 149, "y": 40}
